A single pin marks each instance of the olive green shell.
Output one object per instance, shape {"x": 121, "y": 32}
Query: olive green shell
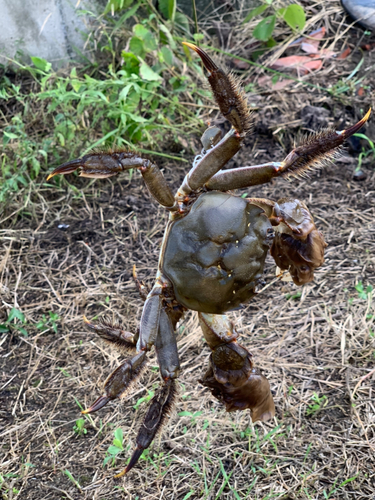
{"x": 214, "y": 256}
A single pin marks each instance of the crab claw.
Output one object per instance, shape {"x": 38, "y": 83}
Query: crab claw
{"x": 160, "y": 408}
{"x": 99, "y": 165}
{"x": 96, "y": 165}
{"x": 119, "y": 382}
{"x": 228, "y": 94}
{"x": 238, "y": 384}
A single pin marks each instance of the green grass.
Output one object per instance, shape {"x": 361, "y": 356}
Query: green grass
{"x": 132, "y": 98}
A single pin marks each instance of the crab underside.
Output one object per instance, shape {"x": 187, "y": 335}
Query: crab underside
{"x": 212, "y": 258}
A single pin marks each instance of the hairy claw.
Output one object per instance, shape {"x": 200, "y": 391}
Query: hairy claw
{"x": 120, "y": 381}
{"x": 234, "y": 381}
{"x": 298, "y": 245}
{"x": 228, "y": 94}
{"x": 159, "y": 409}
{"x": 101, "y": 164}
{"x": 318, "y": 149}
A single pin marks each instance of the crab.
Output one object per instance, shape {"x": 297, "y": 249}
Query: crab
{"x": 212, "y": 258}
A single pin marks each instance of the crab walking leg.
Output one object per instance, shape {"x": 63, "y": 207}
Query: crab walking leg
{"x": 162, "y": 402}
{"x": 149, "y": 324}
{"x": 102, "y": 165}
{"x": 313, "y": 153}
{"x": 213, "y": 161}
{"x": 231, "y": 376}
{"x": 120, "y": 381}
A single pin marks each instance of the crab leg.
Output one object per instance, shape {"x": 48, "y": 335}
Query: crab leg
{"x": 313, "y": 153}
{"x": 99, "y": 165}
{"x": 120, "y": 381}
{"x": 230, "y": 98}
{"x": 213, "y": 161}
{"x": 162, "y": 402}
{"x": 231, "y": 376}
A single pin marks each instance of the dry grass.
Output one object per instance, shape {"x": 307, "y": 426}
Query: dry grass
{"x": 317, "y": 348}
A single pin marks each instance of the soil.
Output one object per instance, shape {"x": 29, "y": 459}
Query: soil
{"x": 72, "y": 252}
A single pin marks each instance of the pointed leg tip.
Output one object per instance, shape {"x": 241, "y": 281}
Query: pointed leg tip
{"x": 122, "y": 473}
{"x": 206, "y": 59}
{"x": 190, "y": 45}
{"x": 97, "y": 405}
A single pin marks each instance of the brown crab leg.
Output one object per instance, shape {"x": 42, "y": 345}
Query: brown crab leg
{"x": 158, "y": 411}
{"x": 162, "y": 402}
{"x": 229, "y": 96}
{"x": 211, "y": 162}
{"x": 313, "y": 153}
{"x": 231, "y": 376}
{"x": 99, "y": 165}
{"x": 120, "y": 381}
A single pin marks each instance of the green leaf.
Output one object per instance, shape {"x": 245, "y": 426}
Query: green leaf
{"x": 4, "y": 328}
{"x": 115, "y": 5}
{"x": 124, "y": 92}
{"x": 263, "y": 30}
{"x": 114, "y": 450}
{"x": 119, "y": 435}
{"x": 168, "y": 9}
{"x": 118, "y": 444}
{"x": 255, "y": 12}
{"x": 185, "y": 414}
{"x": 148, "y": 74}
{"x": 294, "y": 16}
{"x": 144, "y": 34}
{"x": 137, "y": 47}
{"x": 16, "y": 313}
{"x": 167, "y": 55}
{"x": 41, "y": 64}
{"x": 169, "y": 36}
{"x": 182, "y": 22}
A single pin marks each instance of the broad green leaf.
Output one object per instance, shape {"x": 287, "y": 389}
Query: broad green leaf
{"x": 117, "y": 443}
{"x": 114, "y": 450}
{"x": 41, "y": 64}
{"x": 4, "y": 328}
{"x": 198, "y": 37}
{"x": 124, "y": 92}
{"x": 148, "y": 38}
{"x": 168, "y": 9}
{"x": 169, "y": 36}
{"x": 148, "y": 74}
{"x": 263, "y": 30}
{"x": 294, "y": 16}
{"x": 16, "y": 313}
{"x": 182, "y": 21}
{"x": 255, "y": 12}
{"x": 137, "y": 47}
{"x": 167, "y": 55}
{"x": 119, "y": 434}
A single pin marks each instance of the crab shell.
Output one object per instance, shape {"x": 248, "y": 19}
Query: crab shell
{"x": 214, "y": 257}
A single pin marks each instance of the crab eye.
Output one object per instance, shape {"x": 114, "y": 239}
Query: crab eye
{"x": 304, "y": 269}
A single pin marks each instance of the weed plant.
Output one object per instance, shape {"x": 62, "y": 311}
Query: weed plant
{"x": 132, "y": 97}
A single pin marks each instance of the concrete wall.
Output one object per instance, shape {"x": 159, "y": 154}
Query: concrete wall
{"x": 51, "y": 29}
{"x": 45, "y": 28}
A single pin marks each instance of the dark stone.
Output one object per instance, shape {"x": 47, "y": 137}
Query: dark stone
{"x": 359, "y": 175}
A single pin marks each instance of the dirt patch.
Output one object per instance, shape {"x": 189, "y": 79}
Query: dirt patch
{"x": 70, "y": 252}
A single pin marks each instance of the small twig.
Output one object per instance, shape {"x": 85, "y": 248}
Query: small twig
{"x": 361, "y": 380}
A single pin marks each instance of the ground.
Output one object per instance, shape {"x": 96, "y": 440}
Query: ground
{"x": 68, "y": 253}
